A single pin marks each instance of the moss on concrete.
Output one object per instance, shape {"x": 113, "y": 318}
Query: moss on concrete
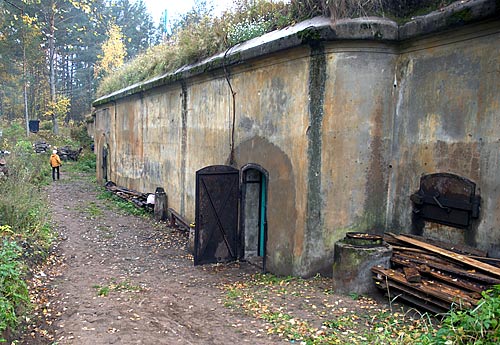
{"x": 460, "y": 17}
{"x": 309, "y": 35}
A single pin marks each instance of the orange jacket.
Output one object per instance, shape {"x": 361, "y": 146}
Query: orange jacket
{"x": 55, "y": 161}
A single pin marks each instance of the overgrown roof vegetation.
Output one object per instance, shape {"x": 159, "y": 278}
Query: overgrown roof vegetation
{"x": 199, "y": 33}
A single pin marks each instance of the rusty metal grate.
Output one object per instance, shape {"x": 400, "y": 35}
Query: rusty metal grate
{"x": 447, "y": 199}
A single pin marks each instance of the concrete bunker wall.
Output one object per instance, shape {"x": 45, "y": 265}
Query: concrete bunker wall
{"x": 344, "y": 128}
{"x": 446, "y": 119}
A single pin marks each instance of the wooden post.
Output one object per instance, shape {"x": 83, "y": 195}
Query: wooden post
{"x": 161, "y": 204}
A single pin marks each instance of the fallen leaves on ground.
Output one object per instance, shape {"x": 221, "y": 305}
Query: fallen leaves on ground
{"x": 308, "y": 312}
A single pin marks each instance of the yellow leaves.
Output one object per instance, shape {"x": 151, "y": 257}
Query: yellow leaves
{"x": 6, "y": 231}
{"x": 59, "y": 108}
{"x": 300, "y": 311}
{"x": 82, "y": 5}
{"x": 114, "y": 52}
{"x": 29, "y": 20}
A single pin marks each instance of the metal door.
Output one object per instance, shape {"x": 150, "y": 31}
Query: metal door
{"x": 216, "y": 232}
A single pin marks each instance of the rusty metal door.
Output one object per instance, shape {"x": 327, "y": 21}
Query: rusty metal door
{"x": 216, "y": 232}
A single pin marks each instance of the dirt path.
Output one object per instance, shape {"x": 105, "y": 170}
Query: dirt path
{"x": 150, "y": 292}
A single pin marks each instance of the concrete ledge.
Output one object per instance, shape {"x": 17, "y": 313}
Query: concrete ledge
{"x": 321, "y": 29}
{"x": 370, "y": 28}
{"x": 459, "y": 13}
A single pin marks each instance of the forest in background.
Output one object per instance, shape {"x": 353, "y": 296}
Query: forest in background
{"x": 54, "y": 52}
{"x": 57, "y": 56}
{"x": 57, "y": 52}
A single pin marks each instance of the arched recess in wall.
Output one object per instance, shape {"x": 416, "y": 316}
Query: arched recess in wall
{"x": 103, "y": 159}
{"x": 281, "y": 212}
{"x": 253, "y": 217}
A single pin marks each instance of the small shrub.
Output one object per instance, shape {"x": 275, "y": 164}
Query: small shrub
{"x": 46, "y": 125}
{"x": 13, "y": 290}
{"x": 247, "y": 30}
{"x": 85, "y": 164}
{"x": 480, "y": 325}
{"x": 22, "y": 205}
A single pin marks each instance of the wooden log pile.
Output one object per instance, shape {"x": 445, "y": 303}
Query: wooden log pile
{"x": 67, "y": 153}
{"x": 434, "y": 275}
{"x": 41, "y": 147}
{"x": 137, "y": 198}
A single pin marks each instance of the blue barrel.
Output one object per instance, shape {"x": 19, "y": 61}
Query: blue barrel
{"x": 34, "y": 126}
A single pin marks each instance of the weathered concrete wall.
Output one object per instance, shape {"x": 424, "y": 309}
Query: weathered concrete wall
{"x": 271, "y": 102}
{"x": 447, "y": 119}
{"x": 356, "y": 134}
{"x": 344, "y": 123}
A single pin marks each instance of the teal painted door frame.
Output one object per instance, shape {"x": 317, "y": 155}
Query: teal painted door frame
{"x": 263, "y": 220}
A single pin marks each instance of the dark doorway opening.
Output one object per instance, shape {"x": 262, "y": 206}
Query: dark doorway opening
{"x": 253, "y": 220}
{"x": 105, "y": 163}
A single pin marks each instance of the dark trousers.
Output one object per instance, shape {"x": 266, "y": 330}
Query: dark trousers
{"x": 55, "y": 170}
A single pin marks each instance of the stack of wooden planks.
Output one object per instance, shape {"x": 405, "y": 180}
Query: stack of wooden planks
{"x": 137, "y": 198}
{"x": 434, "y": 275}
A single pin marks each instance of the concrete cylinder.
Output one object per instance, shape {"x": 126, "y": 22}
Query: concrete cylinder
{"x": 161, "y": 204}
{"x": 352, "y": 263}
{"x": 190, "y": 243}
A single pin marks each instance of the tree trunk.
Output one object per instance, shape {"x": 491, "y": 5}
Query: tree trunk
{"x": 52, "y": 54}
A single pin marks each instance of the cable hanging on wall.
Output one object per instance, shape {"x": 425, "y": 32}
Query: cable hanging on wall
{"x": 232, "y": 159}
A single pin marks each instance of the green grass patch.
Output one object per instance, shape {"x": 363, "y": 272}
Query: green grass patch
{"x": 93, "y": 210}
{"x": 114, "y": 286}
{"x": 124, "y": 205}
{"x": 86, "y": 163}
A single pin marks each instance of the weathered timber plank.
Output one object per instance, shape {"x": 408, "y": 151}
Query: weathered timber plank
{"x": 450, "y": 269}
{"x": 391, "y": 239}
{"x": 412, "y": 274}
{"x": 457, "y": 248}
{"x": 446, "y": 253}
{"x": 412, "y": 295}
{"x": 177, "y": 218}
{"x": 485, "y": 259}
{"x": 436, "y": 290}
{"x": 400, "y": 248}
{"x": 447, "y": 278}
{"x": 409, "y": 249}
{"x": 428, "y": 256}
{"x": 418, "y": 302}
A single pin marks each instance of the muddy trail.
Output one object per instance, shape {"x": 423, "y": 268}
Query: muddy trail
{"x": 115, "y": 278}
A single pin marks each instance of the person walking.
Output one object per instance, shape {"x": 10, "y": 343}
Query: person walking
{"x": 55, "y": 163}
